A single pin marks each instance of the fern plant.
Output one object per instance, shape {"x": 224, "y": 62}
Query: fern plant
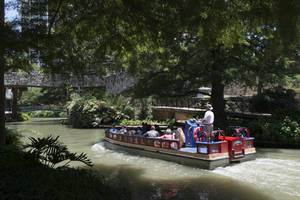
{"x": 51, "y": 152}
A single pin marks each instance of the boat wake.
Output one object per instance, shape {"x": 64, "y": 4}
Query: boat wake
{"x": 153, "y": 168}
{"x": 274, "y": 175}
{"x": 101, "y": 151}
{"x": 100, "y": 148}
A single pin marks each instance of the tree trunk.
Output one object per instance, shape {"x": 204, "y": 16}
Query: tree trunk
{"x": 218, "y": 102}
{"x": 259, "y": 86}
{"x": 2, "y": 87}
{"x": 2, "y": 105}
{"x": 217, "y": 90}
{"x": 14, "y": 109}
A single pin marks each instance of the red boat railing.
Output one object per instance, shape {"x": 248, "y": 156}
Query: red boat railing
{"x": 202, "y": 147}
{"x": 148, "y": 141}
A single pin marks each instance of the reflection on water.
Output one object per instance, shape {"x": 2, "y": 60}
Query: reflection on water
{"x": 275, "y": 174}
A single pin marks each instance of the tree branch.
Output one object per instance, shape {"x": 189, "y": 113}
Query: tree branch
{"x": 55, "y": 15}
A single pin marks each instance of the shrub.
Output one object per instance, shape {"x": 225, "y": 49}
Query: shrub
{"x": 290, "y": 128}
{"x": 121, "y": 104}
{"x": 63, "y": 114}
{"x": 272, "y": 100}
{"x": 25, "y": 116}
{"x": 44, "y": 96}
{"x": 280, "y": 128}
{"x": 19, "y": 118}
{"x": 146, "y": 110}
{"x": 44, "y": 113}
{"x": 13, "y": 137}
{"x": 87, "y": 112}
{"x": 31, "y": 97}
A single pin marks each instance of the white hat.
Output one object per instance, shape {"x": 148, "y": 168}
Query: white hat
{"x": 209, "y": 106}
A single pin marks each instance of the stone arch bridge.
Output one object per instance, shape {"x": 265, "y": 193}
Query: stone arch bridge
{"x": 114, "y": 82}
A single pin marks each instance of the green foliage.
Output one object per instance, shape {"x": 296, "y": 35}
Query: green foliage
{"x": 63, "y": 114}
{"x": 121, "y": 104}
{"x": 19, "y": 169}
{"x": 273, "y": 100}
{"x": 174, "y": 47}
{"x": 283, "y": 127}
{"x": 24, "y": 116}
{"x": 98, "y": 93}
{"x": 46, "y": 113}
{"x": 13, "y": 137}
{"x": 87, "y": 111}
{"x": 20, "y": 117}
{"x": 51, "y": 152}
{"x": 31, "y": 97}
{"x": 44, "y": 96}
{"x": 146, "y": 110}
{"x": 126, "y": 122}
{"x": 290, "y": 128}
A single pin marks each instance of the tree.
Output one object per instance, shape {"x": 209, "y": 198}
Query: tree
{"x": 2, "y": 88}
{"x": 170, "y": 39}
{"x": 12, "y": 56}
{"x": 205, "y": 38}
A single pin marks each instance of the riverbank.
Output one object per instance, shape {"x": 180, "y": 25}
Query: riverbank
{"x": 22, "y": 177}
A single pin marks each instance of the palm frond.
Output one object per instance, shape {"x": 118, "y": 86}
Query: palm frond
{"x": 51, "y": 152}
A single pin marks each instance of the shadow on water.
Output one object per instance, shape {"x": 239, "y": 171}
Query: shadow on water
{"x": 38, "y": 121}
{"x": 206, "y": 187}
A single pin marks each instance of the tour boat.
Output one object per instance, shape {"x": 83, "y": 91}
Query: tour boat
{"x": 199, "y": 150}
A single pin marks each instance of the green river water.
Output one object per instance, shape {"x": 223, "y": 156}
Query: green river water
{"x": 274, "y": 175}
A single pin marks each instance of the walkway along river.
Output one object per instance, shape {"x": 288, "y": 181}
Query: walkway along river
{"x": 274, "y": 175}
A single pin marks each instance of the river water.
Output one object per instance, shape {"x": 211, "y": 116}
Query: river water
{"x": 274, "y": 175}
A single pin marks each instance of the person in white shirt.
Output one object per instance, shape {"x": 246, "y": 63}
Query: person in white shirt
{"x": 152, "y": 132}
{"x": 208, "y": 119}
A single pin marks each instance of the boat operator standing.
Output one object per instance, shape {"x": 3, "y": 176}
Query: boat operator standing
{"x": 208, "y": 119}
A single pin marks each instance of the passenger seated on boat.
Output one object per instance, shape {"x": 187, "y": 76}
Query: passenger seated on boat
{"x": 157, "y": 128}
{"x": 179, "y": 134}
{"x": 139, "y": 131}
{"x": 151, "y": 133}
{"x": 123, "y": 130}
{"x": 113, "y": 129}
{"x": 133, "y": 132}
{"x": 145, "y": 128}
{"x": 128, "y": 131}
{"x": 168, "y": 134}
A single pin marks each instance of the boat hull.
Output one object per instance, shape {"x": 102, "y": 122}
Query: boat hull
{"x": 199, "y": 161}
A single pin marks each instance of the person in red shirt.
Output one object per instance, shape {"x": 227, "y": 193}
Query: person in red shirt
{"x": 168, "y": 134}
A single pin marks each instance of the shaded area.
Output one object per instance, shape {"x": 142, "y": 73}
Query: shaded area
{"x": 24, "y": 178}
{"x": 206, "y": 187}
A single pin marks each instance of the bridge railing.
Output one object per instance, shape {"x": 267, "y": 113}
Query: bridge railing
{"x": 232, "y": 104}
{"x": 34, "y": 108}
{"x": 188, "y": 102}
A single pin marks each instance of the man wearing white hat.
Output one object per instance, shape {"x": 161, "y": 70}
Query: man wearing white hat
{"x": 208, "y": 119}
